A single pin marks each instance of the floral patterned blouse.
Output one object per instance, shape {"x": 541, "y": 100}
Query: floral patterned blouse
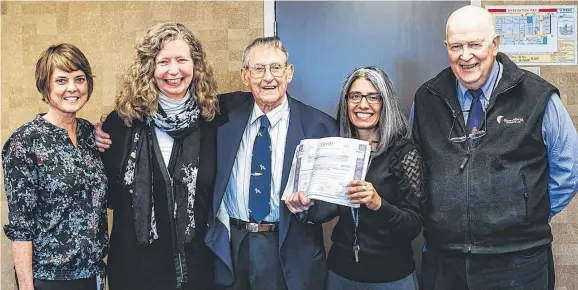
{"x": 57, "y": 199}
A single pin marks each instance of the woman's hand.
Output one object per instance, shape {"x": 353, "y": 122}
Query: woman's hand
{"x": 298, "y": 202}
{"x": 363, "y": 192}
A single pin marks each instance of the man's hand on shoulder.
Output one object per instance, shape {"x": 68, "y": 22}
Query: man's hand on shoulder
{"x": 102, "y": 139}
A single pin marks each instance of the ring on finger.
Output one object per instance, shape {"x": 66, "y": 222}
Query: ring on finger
{"x": 363, "y": 188}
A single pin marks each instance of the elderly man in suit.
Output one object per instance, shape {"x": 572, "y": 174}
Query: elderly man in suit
{"x": 260, "y": 245}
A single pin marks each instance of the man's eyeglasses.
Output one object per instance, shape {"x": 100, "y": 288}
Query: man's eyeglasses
{"x": 258, "y": 71}
{"x": 371, "y": 98}
{"x": 464, "y": 138}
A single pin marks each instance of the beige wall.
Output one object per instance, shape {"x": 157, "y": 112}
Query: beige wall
{"x": 565, "y": 224}
{"x": 106, "y": 33}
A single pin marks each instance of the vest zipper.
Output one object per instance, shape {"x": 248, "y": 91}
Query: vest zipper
{"x": 525, "y": 194}
{"x": 463, "y": 165}
{"x": 468, "y": 204}
{"x": 465, "y": 160}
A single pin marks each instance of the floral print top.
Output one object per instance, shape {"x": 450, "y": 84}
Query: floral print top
{"x": 57, "y": 199}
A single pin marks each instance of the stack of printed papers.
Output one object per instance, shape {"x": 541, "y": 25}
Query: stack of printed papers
{"x": 322, "y": 168}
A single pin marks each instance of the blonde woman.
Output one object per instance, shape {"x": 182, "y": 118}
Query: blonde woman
{"x": 161, "y": 165}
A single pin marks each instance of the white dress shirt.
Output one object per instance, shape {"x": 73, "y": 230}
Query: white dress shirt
{"x": 237, "y": 192}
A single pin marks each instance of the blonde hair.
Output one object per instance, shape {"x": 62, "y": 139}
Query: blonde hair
{"x": 138, "y": 96}
{"x": 65, "y": 57}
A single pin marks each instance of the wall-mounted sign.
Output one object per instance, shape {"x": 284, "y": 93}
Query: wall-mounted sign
{"x": 537, "y": 35}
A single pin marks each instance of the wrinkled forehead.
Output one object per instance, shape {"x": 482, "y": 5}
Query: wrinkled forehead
{"x": 266, "y": 54}
{"x": 468, "y": 33}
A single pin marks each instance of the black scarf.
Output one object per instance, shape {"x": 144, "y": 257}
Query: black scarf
{"x": 184, "y": 128}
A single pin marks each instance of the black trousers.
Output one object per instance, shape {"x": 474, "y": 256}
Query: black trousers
{"x": 530, "y": 269}
{"x": 79, "y": 284}
{"x": 256, "y": 261}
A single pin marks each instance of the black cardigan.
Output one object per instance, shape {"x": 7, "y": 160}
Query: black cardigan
{"x": 132, "y": 265}
{"x": 385, "y": 235}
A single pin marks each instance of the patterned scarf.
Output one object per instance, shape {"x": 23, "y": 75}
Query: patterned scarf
{"x": 184, "y": 128}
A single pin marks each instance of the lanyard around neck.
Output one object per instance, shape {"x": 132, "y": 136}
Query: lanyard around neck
{"x": 355, "y": 215}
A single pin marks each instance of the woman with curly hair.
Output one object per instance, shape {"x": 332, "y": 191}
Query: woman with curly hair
{"x": 161, "y": 165}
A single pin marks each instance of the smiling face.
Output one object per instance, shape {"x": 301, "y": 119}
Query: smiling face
{"x": 472, "y": 45}
{"x": 363, "y": 115}
{"x": 268, "y": 90}
{"x": 68, "y": 91}
{"x": 174, "y": 69}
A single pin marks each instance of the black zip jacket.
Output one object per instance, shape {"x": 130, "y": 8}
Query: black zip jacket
{"x": 494, "y": 197}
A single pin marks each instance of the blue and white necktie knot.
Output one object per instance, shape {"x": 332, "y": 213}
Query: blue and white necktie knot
{"x": 264, "y": 122}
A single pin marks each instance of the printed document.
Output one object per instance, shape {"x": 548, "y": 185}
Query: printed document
{"x": 322, "y": 168}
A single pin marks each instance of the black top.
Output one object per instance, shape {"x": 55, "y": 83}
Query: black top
{"x": 384, "y": 235}
{"x": 57, "y": 199}
{"x": 132, "y": 265}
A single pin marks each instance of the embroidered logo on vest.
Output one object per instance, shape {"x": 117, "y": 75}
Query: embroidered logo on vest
{"x": 501, "y": 119}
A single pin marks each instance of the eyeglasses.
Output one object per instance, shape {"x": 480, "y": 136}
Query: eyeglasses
{"x": 258, "y": 71}
{"x": 371, "y": 98}
{"x": 473, "y": 136}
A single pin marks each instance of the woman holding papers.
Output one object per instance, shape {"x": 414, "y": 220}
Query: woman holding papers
{"x": 371, "y": 244}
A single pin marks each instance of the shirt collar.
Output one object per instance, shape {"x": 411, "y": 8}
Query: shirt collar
{"x": 274, "y": 115}
{"x": 488, "y": 86}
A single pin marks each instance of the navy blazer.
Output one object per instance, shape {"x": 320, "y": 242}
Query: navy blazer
{"x": 301, "y": 248}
